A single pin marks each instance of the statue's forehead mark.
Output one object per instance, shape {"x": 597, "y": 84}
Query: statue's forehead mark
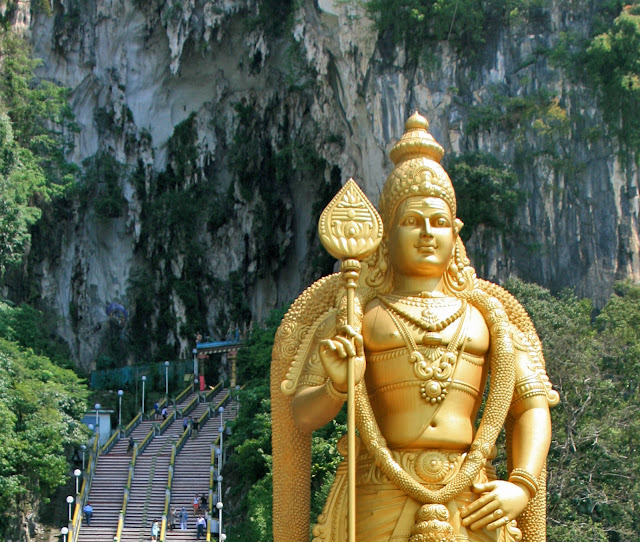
{"x": 419, "y": 203}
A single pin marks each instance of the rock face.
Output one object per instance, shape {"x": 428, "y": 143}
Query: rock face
{"x": 213, "y": 132}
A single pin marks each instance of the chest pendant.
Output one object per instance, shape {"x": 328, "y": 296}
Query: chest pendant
{"x": 435, "y": 364}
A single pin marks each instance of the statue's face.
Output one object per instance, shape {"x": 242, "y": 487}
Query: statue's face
{"x": 422, "y": 237}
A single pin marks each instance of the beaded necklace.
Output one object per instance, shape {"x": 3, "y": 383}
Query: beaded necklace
{"x": 424, "y": 324}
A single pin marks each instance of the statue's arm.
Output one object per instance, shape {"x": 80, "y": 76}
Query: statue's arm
{"x": 315, "y": 406}
{"x": 530, "y": 414}
{"x": 501, "y": 501}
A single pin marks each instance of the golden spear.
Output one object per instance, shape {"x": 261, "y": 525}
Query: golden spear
{"x": 350, "y": 229}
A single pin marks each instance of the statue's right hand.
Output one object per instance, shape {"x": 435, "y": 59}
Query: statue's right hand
{"x": 335, "y": 352}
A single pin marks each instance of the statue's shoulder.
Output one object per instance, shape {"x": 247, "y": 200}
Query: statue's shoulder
{"x": 310, "y": 315}
{"x": 523, "y": 334}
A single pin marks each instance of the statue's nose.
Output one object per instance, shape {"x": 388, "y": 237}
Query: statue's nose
{"x": 426, "y": 228}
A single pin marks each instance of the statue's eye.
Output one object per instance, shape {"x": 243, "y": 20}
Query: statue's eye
{"x": 441, "y": 222}
{"x": 410, "y": 221}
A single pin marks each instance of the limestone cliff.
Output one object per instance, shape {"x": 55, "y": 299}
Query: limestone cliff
{"x": 212, "y": 133}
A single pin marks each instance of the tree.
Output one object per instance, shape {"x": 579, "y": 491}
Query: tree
{"x": 41, "y": 405}
{"x": 36, "y": 131}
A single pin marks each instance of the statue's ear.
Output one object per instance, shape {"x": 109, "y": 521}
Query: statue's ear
{"x": 457, "y": 225}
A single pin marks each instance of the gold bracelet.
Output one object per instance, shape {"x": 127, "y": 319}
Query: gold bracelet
{"x": 333, "y": 392}
{"x": 525, "y": 478}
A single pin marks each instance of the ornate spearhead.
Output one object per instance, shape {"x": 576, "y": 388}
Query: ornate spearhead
{"x": 350, "y": 227}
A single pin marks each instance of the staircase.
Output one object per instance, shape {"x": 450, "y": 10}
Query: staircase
{"x": 147, "y": 493}
{"x": 191, "y": 470}
{"x": 107, "y": 488}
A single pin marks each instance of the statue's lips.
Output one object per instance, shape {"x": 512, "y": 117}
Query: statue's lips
{"x": 426, "y": 249}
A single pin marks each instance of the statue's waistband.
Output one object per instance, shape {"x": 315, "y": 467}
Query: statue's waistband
{"x": 433, "y": 468}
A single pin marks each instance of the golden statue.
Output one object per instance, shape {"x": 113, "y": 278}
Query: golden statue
{"x": 419, "y": 336}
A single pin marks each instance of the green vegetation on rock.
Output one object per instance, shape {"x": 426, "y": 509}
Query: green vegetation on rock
{"x": 36, "y": 131}
{"x": 613, "y": 64}
{"x": 488, "y": 192}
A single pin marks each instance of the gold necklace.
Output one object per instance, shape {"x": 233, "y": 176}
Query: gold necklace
{"x": 424, "y": 324}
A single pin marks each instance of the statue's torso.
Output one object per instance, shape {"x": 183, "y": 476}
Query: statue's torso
{"x": 405, "y": 416}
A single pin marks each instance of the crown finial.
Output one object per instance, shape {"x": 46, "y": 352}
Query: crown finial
{"x": 416, "y": 122}
{"x": 416, "y": 142}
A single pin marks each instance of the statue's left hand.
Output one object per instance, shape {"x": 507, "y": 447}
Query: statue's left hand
{"x": 500, "y": 503}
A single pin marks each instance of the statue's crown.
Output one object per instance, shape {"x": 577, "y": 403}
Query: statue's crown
{"x": 416, "y": 142}
{"x": 417, "y": 170}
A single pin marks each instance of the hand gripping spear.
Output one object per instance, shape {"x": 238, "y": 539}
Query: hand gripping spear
{"x": 350, "y": 229}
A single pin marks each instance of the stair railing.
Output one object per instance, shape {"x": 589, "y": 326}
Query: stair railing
{"x": 166, "y": 423}
{"x": 209, "y": 394}
{"x": 212, "y": 480}
{"x": 127, "y": 489}
{"x": 82, "y": 497}
{"x": 183, "y": 393}
{"x": 167, "y": 495}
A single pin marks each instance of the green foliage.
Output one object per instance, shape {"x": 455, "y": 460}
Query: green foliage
{"x": 41, "y": 405}
{"x": 101, "y": 185}
{"x": 416, "y": 24}
{"x": 488, "y": 192}
{"x": 249, "y": 465}
{"x": 273, "y": 16}
{"x": 35, "y": 135}
{"x": 612, "y": 63}
{"x": 593, "y": 463}
{"x": 32, "y": 329}
{"x": 264, "y": 172}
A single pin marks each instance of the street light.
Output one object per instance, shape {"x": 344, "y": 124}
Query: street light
{"x": 77, "y": 474}
{"x": 69, "y": 502}
{"x": 120, "y": 394}
{"x": 166, "y": 380}
{"x": 83, "y": 447}
{"x": 219, "y": 507}
{"x": 144, "y": 379}
{"x": 64, "y": 531}
{"x": 97, "y": 407}
{"x": 195, "y": 361}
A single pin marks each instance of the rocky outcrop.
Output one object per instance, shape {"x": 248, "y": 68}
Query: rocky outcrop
{"x": 233, "y": 122}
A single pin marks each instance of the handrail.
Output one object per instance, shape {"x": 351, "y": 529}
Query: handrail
{"x": 145, "y": 441}
{"x": 127, "y": 489}
{"x": 184, "y": 392}
{"x": 110, "y": 443}
{"x": 182, "y": 440}
{"x": 167, "y": 496}
{"x": 82, "y": 497}
{"x": 190, "y": 406}
{"x": 213, "y": 390}
{"x": 166, "y": 423}
{"x": 133, "y": 424}
{"x": 212, "y": 468}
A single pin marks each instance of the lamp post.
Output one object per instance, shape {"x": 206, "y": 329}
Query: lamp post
{"x": 166, "y": 381}
{"x": 69, "y": 502}
{"x": 195, "y": 361}
{"x": 221, "y": 432}
{"x": 97, "y": 407}
{"x": 219, "y": 507}
{"x": 83, "y": 447}
{"x": 120, "y": 394}
{"x": 144, "y": 379}
{"x": 64, "y": 531}
{"x": 77, "y": 474}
